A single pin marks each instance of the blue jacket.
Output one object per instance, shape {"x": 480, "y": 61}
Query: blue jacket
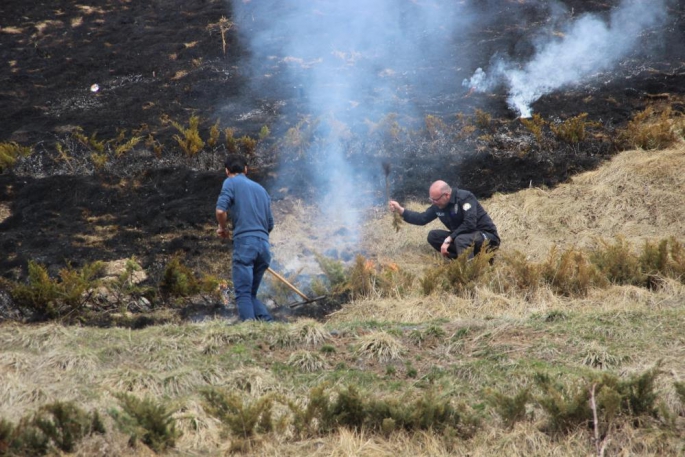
{"x": 249, "y": 205}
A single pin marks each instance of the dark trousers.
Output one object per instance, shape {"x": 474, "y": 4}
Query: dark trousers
{"x": 460, "y": 243}
{"x": 251, "y": 258}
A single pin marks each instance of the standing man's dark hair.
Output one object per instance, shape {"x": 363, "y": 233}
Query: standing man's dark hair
{"x": 250, "y": 208}
{"x": 235, "y": 163}
{"x": 466, "y": 220}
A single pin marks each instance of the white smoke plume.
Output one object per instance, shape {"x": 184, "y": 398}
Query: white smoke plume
{"x": 588, "y": 45}
{"x": 349, "y": 62}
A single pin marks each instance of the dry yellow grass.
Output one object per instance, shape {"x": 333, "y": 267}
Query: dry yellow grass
{"x": 621, "y": 326}
{"x": 638, "y": 194}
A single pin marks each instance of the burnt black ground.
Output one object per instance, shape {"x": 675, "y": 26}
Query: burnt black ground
{"x": 158, "y": 60}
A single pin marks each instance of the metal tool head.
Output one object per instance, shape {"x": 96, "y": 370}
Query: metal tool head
{"x": 305, "y": 302}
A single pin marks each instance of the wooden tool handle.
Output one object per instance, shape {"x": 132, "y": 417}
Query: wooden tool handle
{"x": 285, "y": 281}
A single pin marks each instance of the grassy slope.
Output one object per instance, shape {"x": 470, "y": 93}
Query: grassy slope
{"x": 457, "y": 347}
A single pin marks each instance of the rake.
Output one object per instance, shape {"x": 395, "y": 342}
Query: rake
{"x": 307, "y": 300}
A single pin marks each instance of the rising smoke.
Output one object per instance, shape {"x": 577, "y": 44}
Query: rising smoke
{"x": 348, "y": 62}
{"x": 587, "y": 45}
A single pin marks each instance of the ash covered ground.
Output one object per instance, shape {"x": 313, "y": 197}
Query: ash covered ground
{"x": 165, "y": 60}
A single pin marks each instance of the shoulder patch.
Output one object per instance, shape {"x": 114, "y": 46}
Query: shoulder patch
{"x": 467, "y": 206}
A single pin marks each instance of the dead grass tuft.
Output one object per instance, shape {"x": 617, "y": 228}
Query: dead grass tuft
{"x": 310, "y": 332}
{"x": 380, "y": 346}
{"x": 307, "y": 361}
{"x": 254, "y": 380}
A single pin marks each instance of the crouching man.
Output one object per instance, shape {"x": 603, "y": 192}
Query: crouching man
{"x": 466, "y": 221}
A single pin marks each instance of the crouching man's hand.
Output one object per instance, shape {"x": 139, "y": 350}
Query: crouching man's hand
{"x": 445, "y": 246}
{"x": 395, "y": 207}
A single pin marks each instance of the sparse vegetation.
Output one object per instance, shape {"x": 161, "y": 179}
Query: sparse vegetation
{"x": 482, "y": 119}
{"x": 574, "y": 129}
{"x": 52, "y": 297}
{"x": 653, "y": 128}
{"x": 55, "y": 427}
{"x": 10, "y": 153}
{"x": 147, "y": 421}
{"x": 189, "y": 139}
{"x": 535, "y": 125}
{"x": 223, "y": 25}
{"x": 178, "y": 280}
{"x": 435, "y": 127}
{"x": 510, "y": 409}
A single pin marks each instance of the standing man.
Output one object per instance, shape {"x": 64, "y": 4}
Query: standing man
{"x": 466, "y": 220}
{"x": 250, "y": 208}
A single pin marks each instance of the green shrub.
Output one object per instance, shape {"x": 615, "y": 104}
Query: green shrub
{"x": 327, "y": 349}
{"x": 299, "y": 138}
{"x": 515, "y": 273}
{"x": 56, "y": 297}
{"x": 432, "y": 280}
{"x": 535, "y": 125}
{"x": 464, "y": 272}
{"x": 25, "y": 439}
{"x": 124, "y": 286}
{"x": 435, "y": 127}
{"x": 510, "y": 409}
{"x": 178, "y": 280}
{"x": 459, "y": 276}
{"x": 666, "y": 259}
{"x": 147, "y": 421}
{"x": 574, "y": 129}
{"x": 360, "y": 278}
{"x": 430, "y": 336}
{"x": 243, "y": 418}
{"x": 334, "y": 271}
{"x": 570, "y": 273}
{"x": 189, "y": 139}
{"x": 390, "y": 280}
{"x": 618, "y": 263}
{"x": 638, "y": 395}
{"x": 89, "y": 142}
{"x": 567, "y": 409}
{"x": 99, "y": 160}
{"x": 248, "y": 145}
{"x": 316, "y": 413}
{"x": 347, "y": 410}
{"x": 214, "y": 134}
{"x": 121, "y": 148}
{"x": 10, "y": 153}
{"x": 483, "y": 120}
{"x": 65, "y": 424}
{"x": 231, "y": 141}
{"x": 650, "y": 129}
{"x": 59, "y": 425}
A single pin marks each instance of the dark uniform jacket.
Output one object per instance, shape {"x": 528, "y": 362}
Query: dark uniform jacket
{"x": 463, "y": 214}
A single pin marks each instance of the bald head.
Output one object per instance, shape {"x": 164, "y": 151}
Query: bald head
{"x": 440, "y": 193}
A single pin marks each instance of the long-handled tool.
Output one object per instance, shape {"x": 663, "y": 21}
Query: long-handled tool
{"x": 296, "y": 290}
